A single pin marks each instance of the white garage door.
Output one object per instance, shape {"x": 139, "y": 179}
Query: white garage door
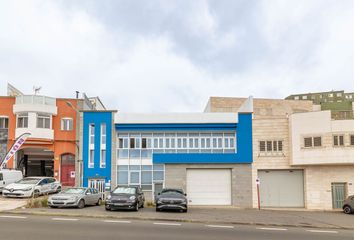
{"x": 209, "y": 186}
{"x": 281, "y": 188}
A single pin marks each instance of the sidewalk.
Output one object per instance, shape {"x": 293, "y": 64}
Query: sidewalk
{"x": 288, "y": 218}
{"x": 10, "y": 204}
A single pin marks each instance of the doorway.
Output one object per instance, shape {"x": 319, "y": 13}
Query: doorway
{"x": 338, "y": 195}
{"x": 67, "y": 170}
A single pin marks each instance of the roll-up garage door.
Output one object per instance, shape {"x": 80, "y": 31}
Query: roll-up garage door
{"x": 209, "y": 186}
{"x": 281, "y": 188}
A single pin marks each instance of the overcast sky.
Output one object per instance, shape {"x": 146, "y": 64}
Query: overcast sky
{"x": 171, "y": 56}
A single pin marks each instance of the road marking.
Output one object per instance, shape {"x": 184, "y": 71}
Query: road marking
{"x": 274, "y": 229}
{"x": 114, "y": 221}
{"x": 168, "y": 224}
{"x": 17, "y": 217}
{"x": 321, "y": 231}
{"x": 219, "y": 226}
{"x": 65, "y": 219}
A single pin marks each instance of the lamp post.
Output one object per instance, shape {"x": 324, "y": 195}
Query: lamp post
{"x": 78, "y": 155}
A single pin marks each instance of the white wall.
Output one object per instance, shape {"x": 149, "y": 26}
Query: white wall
{"x": 320, "y": 124}
{"x": 32, "y": 128}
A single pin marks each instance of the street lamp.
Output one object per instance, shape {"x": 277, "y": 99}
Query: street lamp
{"x": 77, "y": 156}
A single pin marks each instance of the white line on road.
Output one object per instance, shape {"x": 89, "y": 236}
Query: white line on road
{"x": 65, "y": 219}
{"x": 17, "y": 217}
{"x": 219, "y": 226}
{"x": 114, "y": 221}
{"x": 321, "y": 231}
{"x": 168, "y": 224}
{"x": 273, "y": 229}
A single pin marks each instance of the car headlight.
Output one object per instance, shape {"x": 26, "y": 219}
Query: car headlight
{"x": 109, "y": 197}
{"x": 132, "y": 198}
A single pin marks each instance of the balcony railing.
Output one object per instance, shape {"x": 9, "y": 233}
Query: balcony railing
{"x": 342, "y": 115}
{"x": 35, "y": 99}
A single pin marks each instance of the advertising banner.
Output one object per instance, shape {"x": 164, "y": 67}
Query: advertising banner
{"x": 15, "y": 147}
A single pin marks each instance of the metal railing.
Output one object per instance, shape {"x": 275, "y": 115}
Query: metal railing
{"x": 35, "y": 99}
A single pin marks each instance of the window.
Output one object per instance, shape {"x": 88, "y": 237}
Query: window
{"x": 103, "y": 133}
{"x": 275, "y": 146}
{"x": 312, "y": 142}
{"x": 122, "y": 176}
{"x": 103, "y": 158}
{"x": 4, "y": 123}
{"x": 338, "y": 140}
{"x": 296, "y": 97}
{"x": 352, "y": 140}
{"x": 43, "y": 121}
{"x": 22, "y": 120}
{"x": 92, "y": 133}
{"x": 304, "y": 97}
{"x": 91, "y": 158}
{"x": 66, "y": 124}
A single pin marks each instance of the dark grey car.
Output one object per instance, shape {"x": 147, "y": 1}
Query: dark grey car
{"x": 125, "y": 198}
{"x": 348, "y": 206}
{"x": 171, "y": 199}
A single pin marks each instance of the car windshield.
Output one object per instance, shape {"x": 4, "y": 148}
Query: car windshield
{"x": 74, "y": 191}
{"x": 172, "y": 191}
{"x": 125, "y": 190}
{"x": 28, "y": 181}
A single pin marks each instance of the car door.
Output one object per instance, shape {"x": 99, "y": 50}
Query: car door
{"x": 90, "y": 196}
{"x": 42, "y": 186}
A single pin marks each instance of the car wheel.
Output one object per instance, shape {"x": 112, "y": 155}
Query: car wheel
{"x": 158, "y": 210}
{"x": 35, "y": 194}
{"x": 99, "y": 202}
{"x": 142, "y": 205}
{"x": 185, "y": 210}
{"x": 107, "y": 208}
{"x": 136, "y": 207}
{"x": 81, "y": 204}
{"x": 53, "y": 206}
{"x": 347, "y": 210}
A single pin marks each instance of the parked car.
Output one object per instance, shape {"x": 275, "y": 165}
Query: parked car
{"x": 125, "y": 198}
{"x": 75, "y": 197}
{"x": 171, "y": 199}
{"x": 32, "y": 187}
{"x": 348, "y": 206}
{"x": 9, "y": 176}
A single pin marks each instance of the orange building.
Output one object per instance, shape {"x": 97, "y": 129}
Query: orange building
{"x": 53, "y": 146}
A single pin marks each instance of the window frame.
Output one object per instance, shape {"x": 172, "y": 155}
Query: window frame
{"x": 63, "y": 125}
{"x": 23, "y": 116}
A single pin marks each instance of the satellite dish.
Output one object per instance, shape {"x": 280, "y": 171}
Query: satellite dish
{"x": 36, "y": 90}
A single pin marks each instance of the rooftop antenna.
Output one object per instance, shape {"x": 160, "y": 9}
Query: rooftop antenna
{"x": 36, "y": 90}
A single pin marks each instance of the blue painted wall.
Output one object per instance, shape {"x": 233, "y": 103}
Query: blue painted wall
{"x": 243, "y": 140}
{"x": 97, "y": 118}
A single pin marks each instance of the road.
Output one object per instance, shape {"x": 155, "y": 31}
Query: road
{"x": 28, "y": 227}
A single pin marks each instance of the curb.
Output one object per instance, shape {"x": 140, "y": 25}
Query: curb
{"x": 98, "y": 216}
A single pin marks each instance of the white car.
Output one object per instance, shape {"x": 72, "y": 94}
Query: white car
{"x": 32, "y": 187}
{"x": 9, "y": 176}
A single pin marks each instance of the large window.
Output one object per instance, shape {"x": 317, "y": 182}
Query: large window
{"x": 91, "y": 161}
{"x": 140, "y": 175}
{"x": 103, "y": 133}
{"x": 4, "y": 123}
{"x": 144, "y": 145}
{"x": 22, "y": 120}
{"x": 66, "y": 124}
{"x": 43, "y": 121}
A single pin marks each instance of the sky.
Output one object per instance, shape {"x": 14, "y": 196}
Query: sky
{"x": 171, "y": 56}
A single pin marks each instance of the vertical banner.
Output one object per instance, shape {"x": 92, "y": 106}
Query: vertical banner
{"x": 15, "y": 147}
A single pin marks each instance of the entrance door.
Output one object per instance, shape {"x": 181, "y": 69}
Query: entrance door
{"x": 157, "y": 189}
{"x": 67, "y": 170}
{"x": 338, "y": 195}
{"x": 98, "y": 184}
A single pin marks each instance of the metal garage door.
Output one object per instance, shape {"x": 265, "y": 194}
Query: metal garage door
{"x": 209, "y": 186}
{"x": 281, "y": 188}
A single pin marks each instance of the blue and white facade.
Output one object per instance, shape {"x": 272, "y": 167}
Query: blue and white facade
{"x": 209, "y": 155}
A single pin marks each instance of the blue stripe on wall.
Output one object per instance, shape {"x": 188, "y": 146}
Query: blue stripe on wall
{"x": 97, "y": 118}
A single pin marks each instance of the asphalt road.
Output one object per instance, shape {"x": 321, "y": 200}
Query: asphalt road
{"x": 27, "y": 227}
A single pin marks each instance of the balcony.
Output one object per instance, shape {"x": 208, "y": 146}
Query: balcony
{"x": 35, "y": 103}
{"x": 342, "y": 115}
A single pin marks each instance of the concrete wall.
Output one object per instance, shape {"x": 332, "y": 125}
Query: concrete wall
{"x": 318, "y": 181}
{"x": 176, "y": 176}
{"x": 320, "y": 124}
